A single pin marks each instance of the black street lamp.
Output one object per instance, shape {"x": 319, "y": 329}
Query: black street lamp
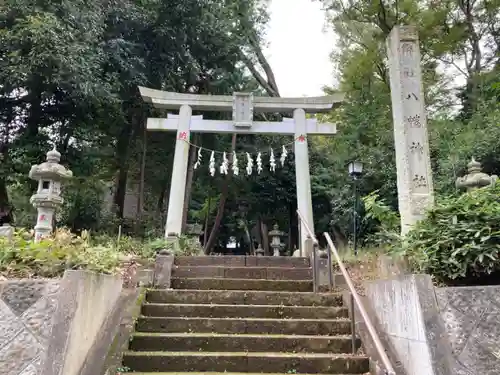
{"x": 355, "y": 170}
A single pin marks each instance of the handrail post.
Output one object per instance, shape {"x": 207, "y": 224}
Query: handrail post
{"x": 311, "y": 240}
{"x": 353, "y": 325}
{"x": 301, "y": 250}
{"x": 330, "y": 265}
{"x": 310, "y": 250}
{"x": 316, "y": 266}
{"x": 356, "y": 301}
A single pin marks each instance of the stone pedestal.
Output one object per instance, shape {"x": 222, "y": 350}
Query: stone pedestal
{"x": 6, "y": 231}
{"x": 414, "y": 174}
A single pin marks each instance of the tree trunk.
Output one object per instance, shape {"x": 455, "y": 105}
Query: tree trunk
{"x": 140, "y": 195}
{"x": 189, "y": 182}
{"x": 5, "y": 209}
{"x": 291, "y": 220}
{"x": 135, "y": 122}
{"x": 249, "y": 238}
{"x": 160, "y": 204}
{"x": 207, "y": 215}
{"x": 122, "y": 150}
{"x": 265, "y": 237}
{"x": 222, "y": 202}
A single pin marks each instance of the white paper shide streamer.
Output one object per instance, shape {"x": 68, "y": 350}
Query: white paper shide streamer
{"x": 272, "y": 162}
{"x": 284, "y": 154}
{"x": 236, "y": 169}
{"x": 224, "y": 167}
{"x": 249, "y": 164}
{"x": 211, "y": 165}
{"x": 259, "y": 163}
{"x": 198, "y": 160}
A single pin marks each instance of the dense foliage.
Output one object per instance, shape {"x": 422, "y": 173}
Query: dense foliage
{"x": 69, "y": 72}
{"x": 459, "y": 239}
{"x": 22, "y": 258}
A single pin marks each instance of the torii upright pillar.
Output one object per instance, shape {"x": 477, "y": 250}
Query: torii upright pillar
{"x": 242, "y": 106}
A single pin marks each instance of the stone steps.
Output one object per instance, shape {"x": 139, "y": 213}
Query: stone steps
{"x": 242, "y": 325}
{"x": 314, "y": 363}
{"x": 243, "y": 261}
{"x": 205, "y": 373}
{"x": 242, "y": 284}
{"x": 243, "y": 311}
{"x": 265, "y": 273}
{"x": 247, "y": 297}
{"x": 211, "y": 342}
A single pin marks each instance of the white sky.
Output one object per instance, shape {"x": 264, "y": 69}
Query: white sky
{"x": 298, "y": 48}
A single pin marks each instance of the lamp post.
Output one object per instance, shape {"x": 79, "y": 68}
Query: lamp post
{"x": 355, "y": 170}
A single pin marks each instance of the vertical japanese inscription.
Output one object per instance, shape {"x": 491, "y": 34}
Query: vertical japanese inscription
{"x": 414, "y": 117}
{"x": 407, "y": 49}
{"x": 410, "y": 133}
{"x": 413, "y": 121}
{"x": 417, "y": 149}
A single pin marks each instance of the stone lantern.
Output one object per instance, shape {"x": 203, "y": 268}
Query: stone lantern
{"x": 194, "y": 230}
{"x": 276, "y": 244}
{"x": 49, "y": 175}
{"x": 259, "y": 251}
{"x": 476, "y": 178}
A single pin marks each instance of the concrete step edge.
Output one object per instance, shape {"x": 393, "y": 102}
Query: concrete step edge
{"x": 244, "y": 267}
{"x": 226, "y": 305}
{"x": 242, "y": 354}
{"x": 246, "y": 280}
{"x": 221, "y": 291}
{"x": 335, "y": 320}
{"x": 217, "y": 373}
{"x": 242, "y": 335}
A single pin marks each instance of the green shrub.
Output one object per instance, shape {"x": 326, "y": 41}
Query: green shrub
{"x": 459, "y": 238}
{"x": 187, "y": 246}
{"x": 24, "y": 258}
{"x": 388, "y": 221}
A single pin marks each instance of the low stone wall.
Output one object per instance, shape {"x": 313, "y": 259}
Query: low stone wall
{"x": 472, "y": 319}
{"x": 85, "y": 301}
{"x": 60, "y": 327}
{"x": 437, "y": 331}
{"x": 408, "y": 317}
{"x": 26, "y": 311}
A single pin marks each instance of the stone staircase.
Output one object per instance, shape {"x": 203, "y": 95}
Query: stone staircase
{"x": 237, "y": 314}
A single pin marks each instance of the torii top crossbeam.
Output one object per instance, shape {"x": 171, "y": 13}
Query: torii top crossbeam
{"x": 173, "y": 100}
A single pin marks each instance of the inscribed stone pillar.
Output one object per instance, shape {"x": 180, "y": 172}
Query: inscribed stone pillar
{"x": 303, "y": 178}
{"x": 179, "y": 173}
{"x": 414, "y": 174}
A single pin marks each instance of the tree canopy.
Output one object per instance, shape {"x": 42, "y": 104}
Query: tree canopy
{"x": 69, "y": 72}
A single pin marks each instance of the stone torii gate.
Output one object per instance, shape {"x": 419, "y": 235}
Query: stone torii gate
{"x": 242, "y": 106}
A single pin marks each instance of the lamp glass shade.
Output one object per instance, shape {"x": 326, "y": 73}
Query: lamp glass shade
{"x": 355, "y": 168}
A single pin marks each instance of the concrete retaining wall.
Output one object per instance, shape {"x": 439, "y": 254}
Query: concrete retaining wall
{"x": 26, "y": 311}
{"x": 472, "y": 319}
{"x": 408, "y": 316}
{"x": 438, "y": 331}
{"x": 60, "y": 327}
{"x": 84, "y": 304}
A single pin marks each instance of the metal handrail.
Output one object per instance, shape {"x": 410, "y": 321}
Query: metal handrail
{"x": 355, "y": 298}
